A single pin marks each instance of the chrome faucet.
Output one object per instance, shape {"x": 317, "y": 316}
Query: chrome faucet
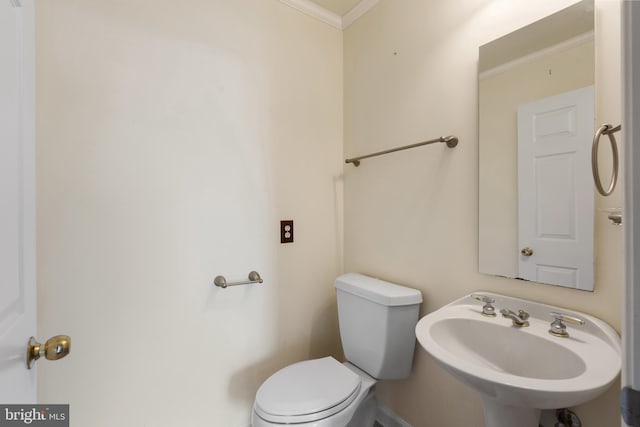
{"x": 519, "y": 319}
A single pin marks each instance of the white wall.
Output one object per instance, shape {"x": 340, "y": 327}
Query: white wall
{"x": 172, "y": 139}
{"x": 411, "y": 217}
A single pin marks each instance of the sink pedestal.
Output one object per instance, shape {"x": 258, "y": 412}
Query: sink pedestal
{"x": 497, "y": 414}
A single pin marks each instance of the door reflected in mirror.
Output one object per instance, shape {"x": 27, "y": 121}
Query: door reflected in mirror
{"x": 536, "y": 123}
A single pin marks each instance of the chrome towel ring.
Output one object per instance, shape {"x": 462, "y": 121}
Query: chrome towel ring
{"x": 608, "y": 130}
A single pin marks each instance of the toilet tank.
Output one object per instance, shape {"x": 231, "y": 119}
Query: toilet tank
{"x": 377, "y": 324}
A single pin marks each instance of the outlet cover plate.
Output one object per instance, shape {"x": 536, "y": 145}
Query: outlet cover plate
{"x": 286, "y": 231}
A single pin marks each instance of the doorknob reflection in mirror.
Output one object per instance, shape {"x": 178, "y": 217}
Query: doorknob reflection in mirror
{"x": 526, "y": 251}
{"x": 55, "y": 348}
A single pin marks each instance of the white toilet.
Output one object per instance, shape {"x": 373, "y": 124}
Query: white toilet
{"x": 377, "y": 323}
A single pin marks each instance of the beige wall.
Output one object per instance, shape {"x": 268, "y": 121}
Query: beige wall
{"x": 411, "y": 217}
{"x": 172, "y": 139}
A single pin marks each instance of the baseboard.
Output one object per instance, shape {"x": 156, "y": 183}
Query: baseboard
{"x": 387, "y": 418}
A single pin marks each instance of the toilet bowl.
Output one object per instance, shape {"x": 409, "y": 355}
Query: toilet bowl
{"x": 319, "y": 392}
{"x": 377, "y": 321}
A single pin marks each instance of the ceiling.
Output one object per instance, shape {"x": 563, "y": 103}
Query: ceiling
{"x": 339, "y": 7}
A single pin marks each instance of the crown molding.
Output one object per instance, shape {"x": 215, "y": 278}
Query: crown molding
{"x": 318, "y": 12}
{"x": 312, "y": 9}
{"x": 360, "y": 9}
{"x": 567, "y": 44}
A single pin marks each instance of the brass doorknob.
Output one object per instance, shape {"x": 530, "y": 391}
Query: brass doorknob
{"x": 526, "y": 251}
{"x": 55, "y": 348}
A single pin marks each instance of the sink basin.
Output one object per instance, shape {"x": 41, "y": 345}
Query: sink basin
{"x": 519, "y": 371}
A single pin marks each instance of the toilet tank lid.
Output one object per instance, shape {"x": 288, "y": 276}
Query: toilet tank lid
{"x": 376, "y": 290}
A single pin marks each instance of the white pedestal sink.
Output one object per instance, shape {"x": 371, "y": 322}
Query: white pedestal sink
{"x": 519, "y": 371}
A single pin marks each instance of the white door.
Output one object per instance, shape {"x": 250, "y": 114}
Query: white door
{"x": 17, "y": 200}
{"x": 556, "y": 200}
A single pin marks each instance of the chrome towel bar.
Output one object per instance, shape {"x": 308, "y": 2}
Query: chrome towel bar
{"x": 450, "y": 140}
{"x": 609, "y": 131}
{"x": 254, "y": 277}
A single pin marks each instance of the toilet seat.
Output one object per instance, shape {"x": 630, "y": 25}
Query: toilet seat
{"x": 307, "y": 391}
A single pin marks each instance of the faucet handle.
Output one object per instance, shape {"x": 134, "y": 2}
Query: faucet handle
{"x": 483, "y": 298}
{"x": 487, "y": 309}
{"x": 558, "y": 328}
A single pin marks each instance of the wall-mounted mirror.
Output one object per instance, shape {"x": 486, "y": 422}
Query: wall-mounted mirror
{"x": 536, "y": 124}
